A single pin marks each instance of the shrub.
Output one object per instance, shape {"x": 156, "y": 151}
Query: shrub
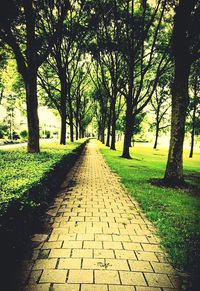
{"x": 24, "y": 134}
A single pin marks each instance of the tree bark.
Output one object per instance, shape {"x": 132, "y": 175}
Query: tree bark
{"x": 63, "y": 110}
{"x": 71, "y": 125}
{"x": 32, "y": 109}
{"x": 108, "y": 129}
{"x": 113, "y": 137}
{"x": 76, "y": 131}
{"x": 77, "y": 124}
{"x": 31, "y": 81}
{"x": 103, "y": 132}
{"x": 156, "y": 137}
{"x": 128, "y": 133}
{"x": 174, "y": 169}
{"x": 63, "y": 128}
{"x": 180, "y": 98}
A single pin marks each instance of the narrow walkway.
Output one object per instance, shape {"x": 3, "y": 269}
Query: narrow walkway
{"x": 100, "y": 239}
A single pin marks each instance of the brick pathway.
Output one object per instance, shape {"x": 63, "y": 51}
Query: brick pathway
{"x": 100, "y": 239}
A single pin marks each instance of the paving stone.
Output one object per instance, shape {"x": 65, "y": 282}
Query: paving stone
{"x": 114, "y": 264}
{"x": 80, "y": 276}
{"x": 104, "y": 254}
{"x": 65, "y": 287}
{"x": 69, "y": 264}
{"x": 53, "y": 276}
{"x": 83, "y": 237}
{"x": 45, "y": 264}
{"x": 146, "y": 256}
{"x": 52, "y": 245}
{"x": 121, "y": 238}
{"x": 92, "y": 245}
{"x": 138, "y": 288}
{"x": 112, "y": 245}
{"x": 72, "y": 244}
{"x": 53, "y": 237}
{"x": 132, "y": 278}
{"x": 37, "y": 287}
{"x": 123, "y": 254}
{"x": 34, "y": 277}
{"x": 139, "y": 238}
{"x": 141, "y": 266}
{"x": 111, "y": 230}
{"x": 94, "y": 264}
{"x": 67, "y": 237}
{"x": 162, "y": 268}
{"x": 106, "y": 277}
{"x": 93, "y": 287}
{"x": 59, "y": 253}
{"x": 158, "y": 280}
{"x": 82, "y": 253}
{"x": 151, "y": 248}
{"x": 132, "y": 246}
{"x": 121, "y": 288}
{"x": 103, "y": 237}
{"x": 39, "y": 237}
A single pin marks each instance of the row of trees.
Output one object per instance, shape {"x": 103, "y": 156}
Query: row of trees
{"x": 111, "y": 59}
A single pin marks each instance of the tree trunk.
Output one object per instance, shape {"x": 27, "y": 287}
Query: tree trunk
{"x": 174, "y": 169}
{"x": 156, "y": 137}
{"x": 180, "y": 98}
{"x": 103, "y": 134}
{"x": 63, "y": 129}
{"x": 192, "y": 141}
{"x": 109, "y": 129}
{"x": 113, "y": 137}
{"x": 128, "y": 133}
{"x": 76, "y": 132}
{"x": 71, "y": 125}
{"x": 30, "y": 79}
{"x": 193, "y": 122}
{"x": 63, "y": 110}
{"x": 76, "y": 128}
{"x": 32, "y": 114}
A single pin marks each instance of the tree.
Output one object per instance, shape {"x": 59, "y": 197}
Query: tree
{"x": 144, "y": 46}
{"x": 30, "y": 29}
{"x": 64, "y": 61}
{"x": 186, "y": 32}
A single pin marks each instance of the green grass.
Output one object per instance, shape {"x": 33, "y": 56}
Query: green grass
{"x": 21, "y": 171}
{"x": 175, "y": 212}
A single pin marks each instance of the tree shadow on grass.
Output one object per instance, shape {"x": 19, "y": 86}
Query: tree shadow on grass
{"x": 191, "y": 185}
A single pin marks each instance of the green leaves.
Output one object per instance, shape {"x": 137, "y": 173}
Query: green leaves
{"x": 21, "y": 172}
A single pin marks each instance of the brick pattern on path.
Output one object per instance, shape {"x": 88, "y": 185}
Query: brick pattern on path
{"x": 100, "y": 239}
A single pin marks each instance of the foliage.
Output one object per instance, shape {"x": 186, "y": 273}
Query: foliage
{"x": 21, "y": 172}
{"x": 24, "y": 134}
{"x": 175, "y": 212}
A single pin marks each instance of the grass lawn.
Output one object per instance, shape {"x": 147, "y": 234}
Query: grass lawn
{"x": 21, "y": 171}
{"x": 175, "y": 212}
